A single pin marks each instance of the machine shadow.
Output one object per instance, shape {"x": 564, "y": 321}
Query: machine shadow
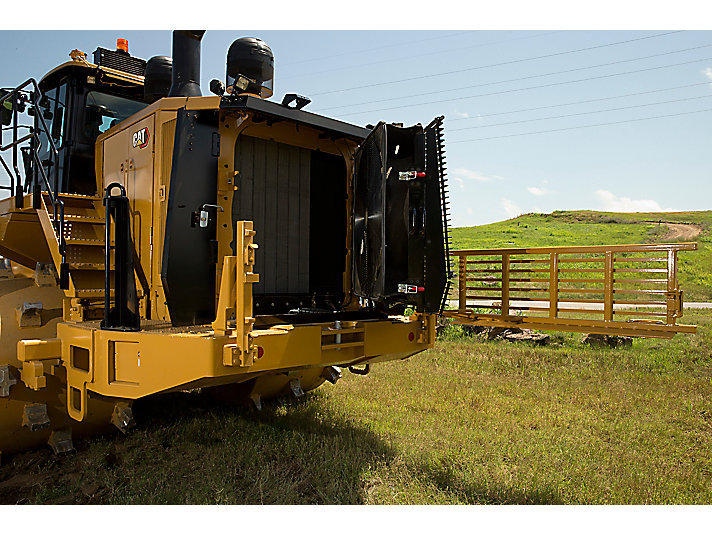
{"x": 188, "y": 448}
{"x": 452, "y": 484}
{"x": 293, "y": 451}
{"x": 305, "y": 452}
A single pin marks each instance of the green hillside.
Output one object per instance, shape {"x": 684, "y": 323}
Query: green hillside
{"x": 562, "y": 228}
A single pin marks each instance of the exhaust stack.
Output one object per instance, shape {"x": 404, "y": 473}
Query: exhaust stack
{"x": 186, "y": 63}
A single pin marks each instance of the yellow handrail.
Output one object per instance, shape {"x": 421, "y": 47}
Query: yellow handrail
{"x": 516, "y": 286}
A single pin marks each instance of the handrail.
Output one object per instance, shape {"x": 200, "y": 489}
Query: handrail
{"x": 9, "y": 173}
{"x": 643, "y": 247}
{"x": 626, "y": 288}
{"x": 57, "y": 203}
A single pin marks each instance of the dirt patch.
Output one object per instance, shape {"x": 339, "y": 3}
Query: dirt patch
{"x": 685, "y": 232}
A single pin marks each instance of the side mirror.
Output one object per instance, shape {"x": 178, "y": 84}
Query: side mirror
{"x": 5, "y": 109}
{"x": 6, "y": 113}
{"x": 57, "y": 125}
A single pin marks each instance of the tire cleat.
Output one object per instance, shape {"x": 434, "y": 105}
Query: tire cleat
{"x": 296, "y": 386}
{"x": 331, "y": 373}
{"x": 256, "y": 401}
{"x": 61, "y": 441}
{"x": 122, "y": 417}
{"x": 35, "y": 417}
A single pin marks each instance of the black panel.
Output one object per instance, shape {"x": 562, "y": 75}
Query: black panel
{"x": 124, "y": 314}
{"x": 404, "y": 212}
{"x": 188, "y": 270}
{"x": 327, "y": 248}
{"x": 275, "y": 112}
{"x": 398, "y": 246}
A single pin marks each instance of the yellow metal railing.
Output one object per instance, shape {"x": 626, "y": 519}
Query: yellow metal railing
{"x": 618, "y": 289}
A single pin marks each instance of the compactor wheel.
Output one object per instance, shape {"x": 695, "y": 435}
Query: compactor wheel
{"x": 31, "y": 419}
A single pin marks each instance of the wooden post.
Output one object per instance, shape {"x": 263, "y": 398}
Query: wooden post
{"x": 462, "y": 284}
{"x": 554, "y": 285}
{"x": 608, "y": 288}
{"x": 505, "y": 285}
{"x": 671, "y": 286}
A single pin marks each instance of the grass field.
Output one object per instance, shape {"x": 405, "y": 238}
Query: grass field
{"x": 468, "y": 422}
{"x": 599, "y": 228}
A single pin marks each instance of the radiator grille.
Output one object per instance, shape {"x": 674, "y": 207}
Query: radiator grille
{"x": 119, "y": 61}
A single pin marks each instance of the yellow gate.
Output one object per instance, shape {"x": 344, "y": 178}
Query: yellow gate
{"x": 629, "y": 290}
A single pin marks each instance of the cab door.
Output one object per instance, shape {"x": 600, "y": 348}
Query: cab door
{"x": 399, "y": 247}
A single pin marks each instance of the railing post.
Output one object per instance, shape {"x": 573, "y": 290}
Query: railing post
{"x": 608, "y": 287}
{"x": 19, "y": 197}
{"x": 554, "y": 285}
{"x": 462, "y": 283}
{"x": 505, "y": 285}
{"x": 671, "y": 286}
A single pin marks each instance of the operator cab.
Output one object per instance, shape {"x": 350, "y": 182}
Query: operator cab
{"x": 82, "y": 100}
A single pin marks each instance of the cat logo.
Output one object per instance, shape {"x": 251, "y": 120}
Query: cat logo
{"x": 140, "y": 138}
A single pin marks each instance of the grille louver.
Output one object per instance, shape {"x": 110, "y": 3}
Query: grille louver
{"x": 119, "y": 61}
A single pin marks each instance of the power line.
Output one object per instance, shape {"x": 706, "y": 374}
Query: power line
{"x": 498, "y": 64}
{"x": 378, "y": 48}
{"x": 479, "y": 45}
{"x": 479, "y": 116}
{"x": 554, "y": 84}
{"x": 567, "y": 71}
{"x": 581, "y": 113}
{"x": 581, "y": 127}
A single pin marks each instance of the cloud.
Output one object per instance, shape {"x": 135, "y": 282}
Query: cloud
{"x": 708, "y": 72}
{"x": 462, "y": 115}
{"x": 538, "y": 191}
{"x": 613, "y": 203}
{"x": 510, "y": 208}
{"x": 467, "y": 174}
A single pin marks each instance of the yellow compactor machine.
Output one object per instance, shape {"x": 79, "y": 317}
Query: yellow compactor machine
{"x": 158, "y": 240}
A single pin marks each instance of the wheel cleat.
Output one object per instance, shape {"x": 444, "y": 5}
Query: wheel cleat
{"x": 256, "y": 401}
{"x": 122, "y": 417}
{"x": 61, "y": 441}
{"x": 331, "y": 373}
{"x": 6, "y": 380}
{"x": 35, "y": 417}
{"x": 296, "y": 387}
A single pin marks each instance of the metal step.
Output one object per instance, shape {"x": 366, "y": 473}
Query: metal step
{"x": 69, "y": 218}
{"x": 88, "y": 293}
{"x": 74, "y": 198}
{"x": 85, "y": 242}
{"x": 79, "y": 266}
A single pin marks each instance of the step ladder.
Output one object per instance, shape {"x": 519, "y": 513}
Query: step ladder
{"x": 84, "y": 235}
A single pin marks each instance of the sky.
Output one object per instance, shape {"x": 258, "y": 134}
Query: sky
{"x": 528, "y": 113}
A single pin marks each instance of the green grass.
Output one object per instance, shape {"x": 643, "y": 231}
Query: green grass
{"x": 562, "y": 228}
{"x": 467, "y": 422}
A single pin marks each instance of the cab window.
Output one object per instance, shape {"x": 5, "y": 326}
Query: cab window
{"x": 53, "y": 107}
{"x": 104, "y": 111}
